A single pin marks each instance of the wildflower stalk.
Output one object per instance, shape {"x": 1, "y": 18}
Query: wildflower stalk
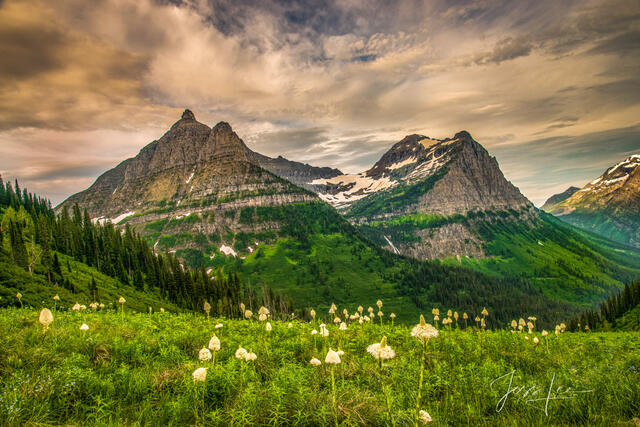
{"x": 422, "y": 360}
{"x": 333, "y": 395}
{"x": 385, "y": 390}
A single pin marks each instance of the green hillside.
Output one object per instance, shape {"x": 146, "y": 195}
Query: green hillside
{"x": 566, "y": 264}
{"x": 619, "y": 312}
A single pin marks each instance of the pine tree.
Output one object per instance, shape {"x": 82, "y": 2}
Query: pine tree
{"x": 18, "y": 250}
{"x": 93, "y": 288}
{"x": 138, "y": 281}
{"x": 57, "y": 269}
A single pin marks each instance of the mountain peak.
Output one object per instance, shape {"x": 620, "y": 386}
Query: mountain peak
{"x": 463, "y": 134}
{"x": 223, "y": 127}
{"x": 187, "y": 115}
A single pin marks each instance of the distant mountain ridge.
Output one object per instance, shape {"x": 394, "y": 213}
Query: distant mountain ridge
{"x": 560, "y": 197}
{"x": 608, "y": 205}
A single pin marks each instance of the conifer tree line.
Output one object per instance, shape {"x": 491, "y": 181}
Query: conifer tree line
{"x": 611, "y": 310}
{"x": 35, "y": 235}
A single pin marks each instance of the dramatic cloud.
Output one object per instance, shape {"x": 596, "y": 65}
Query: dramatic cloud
{"x": 332, "y": 83}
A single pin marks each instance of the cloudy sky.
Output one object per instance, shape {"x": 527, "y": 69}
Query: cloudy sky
{"x": 551, "y": 88}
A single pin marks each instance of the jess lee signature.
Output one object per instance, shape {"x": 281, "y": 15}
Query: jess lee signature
{"x": 537, "y": 396}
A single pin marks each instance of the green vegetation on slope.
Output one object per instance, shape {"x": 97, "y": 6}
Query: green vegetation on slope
{"x": 33, "y": 241}
{"x": 564, "y": 264}
{"x": 139, "y": 371}
{"x": 342, "y": 267}
{"x": 604, "y": 223}
{"x": 620, "y": 311}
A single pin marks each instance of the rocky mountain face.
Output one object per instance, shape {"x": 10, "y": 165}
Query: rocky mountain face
{"x": 424, "y": 186}
{"x": 189, "y": 189}
{"x": 301, "y": 174}
{"x": 608, "y": 205}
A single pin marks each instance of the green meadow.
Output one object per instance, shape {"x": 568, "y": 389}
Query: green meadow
{"x": 137, "y": 369}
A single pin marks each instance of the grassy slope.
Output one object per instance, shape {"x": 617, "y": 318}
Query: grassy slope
{"x": 139, "y": 372}
{"x": 630, "y": 321}
{"x": 601, "y": 223}
{"x": 35, "y": 288}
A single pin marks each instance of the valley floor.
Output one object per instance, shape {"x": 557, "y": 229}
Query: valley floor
{"x": 136, "y": 369}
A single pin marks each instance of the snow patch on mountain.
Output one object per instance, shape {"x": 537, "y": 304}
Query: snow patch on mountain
{"x": 228, "y": 250}
{"x": 120, "y": 217}
{"x": 395, "y": 250}
{"x": 403, "y": 163}
{"x": 352, "y": 187}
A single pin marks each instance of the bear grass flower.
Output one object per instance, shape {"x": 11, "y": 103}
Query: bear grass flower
{"x": 289, "y": 325}
{"x": 484, "y": 311}
{"x": 46, "y": 318}
{"x": 262, "y": 317}
{"x": 314, "y": 332}
{"x": 56, "y": 297}
{"x": 204, "y": 355}
{"x": 379, "y": 304}
{"x": 381, "y": 351}
{"x": 333, "y": 308}
{"x": 199, "y": 375}
{"x": 337, "y": 320}
{"x": 248, "y": 314}
{"x": 122, "y": 301}
{"x": 250, "y": 356}
{"x": 312, "y": 313}
{"x": 76, "y": 307}
{"x": 360, "y": 309}
{"x": 268, "y": 327}
{"x": 214, "y": 343}
{"x": 219, "y": 326}
{"x": 333, "y": 359}
{"x": 315, "y": 362}
{"x": 207, "y": 308}
{"x": 324, "y": 332}
{"x": 240, "y": 353}
{"x": 343, "y": 326}
{"x": 84, "y": 327}
{"x": 424, "y": 417}
{"x": 424, "y": 331}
